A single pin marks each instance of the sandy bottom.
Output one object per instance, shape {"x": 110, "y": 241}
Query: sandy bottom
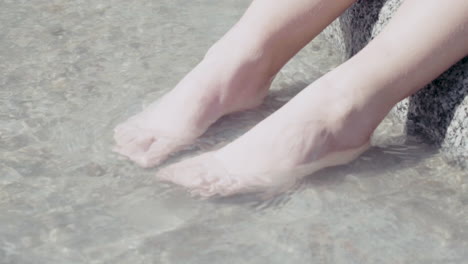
{"x": 72, "y": 70}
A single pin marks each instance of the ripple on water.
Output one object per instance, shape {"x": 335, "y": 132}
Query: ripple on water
{"x": 65, "y": 197}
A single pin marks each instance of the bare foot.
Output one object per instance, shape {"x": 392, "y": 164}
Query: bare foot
{"x": 228, "y": 79}
{"x": 317, "y": 129}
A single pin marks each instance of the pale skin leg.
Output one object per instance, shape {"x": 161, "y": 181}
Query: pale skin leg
{"x": 331, "y": 121}
{"x": 234, "y": 75}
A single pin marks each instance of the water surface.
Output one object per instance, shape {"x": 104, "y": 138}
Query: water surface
{"x": 72, "y": 70}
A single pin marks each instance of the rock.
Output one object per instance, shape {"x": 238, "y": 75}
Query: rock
{"x": 438, "y": 113}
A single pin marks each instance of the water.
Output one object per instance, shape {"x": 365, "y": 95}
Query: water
{"x": 72, "y": 70}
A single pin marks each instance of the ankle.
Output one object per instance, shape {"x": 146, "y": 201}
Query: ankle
{"x": 245, "y": 72}
{"x": 241, "y": 46}
{"x": 352, "y": 116}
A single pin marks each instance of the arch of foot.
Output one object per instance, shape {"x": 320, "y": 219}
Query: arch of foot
{"x": 437, "y": 114}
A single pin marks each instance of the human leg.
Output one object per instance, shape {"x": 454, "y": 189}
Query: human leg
{"x": 330, "y": 122}
{"x": 234, "y": 75}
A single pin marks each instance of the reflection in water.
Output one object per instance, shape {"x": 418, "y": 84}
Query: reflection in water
{"x": 72, "y": 70}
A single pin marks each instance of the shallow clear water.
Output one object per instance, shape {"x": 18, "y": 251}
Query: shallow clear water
{"x": 72, "y": 70}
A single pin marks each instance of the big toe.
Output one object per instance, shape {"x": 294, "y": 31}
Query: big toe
{"x": 125, "y": 127}
{"x": 133, "y": 143}
{"x": 201, "y": 175}
{"x": 126, "y": 132}
{"x": 160, "y": 149}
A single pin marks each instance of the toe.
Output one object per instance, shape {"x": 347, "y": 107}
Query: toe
{"x": 159, "y": 150}
{"x": 125, "y": 134}
{"x": 127, "y": 130}
{"x": 201, "y": 175}
{"x": 127, "y": 124}
{"x": 120, "y": 127}
{"x": 188, "y": 173}
{"x": 135, "y": 145}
